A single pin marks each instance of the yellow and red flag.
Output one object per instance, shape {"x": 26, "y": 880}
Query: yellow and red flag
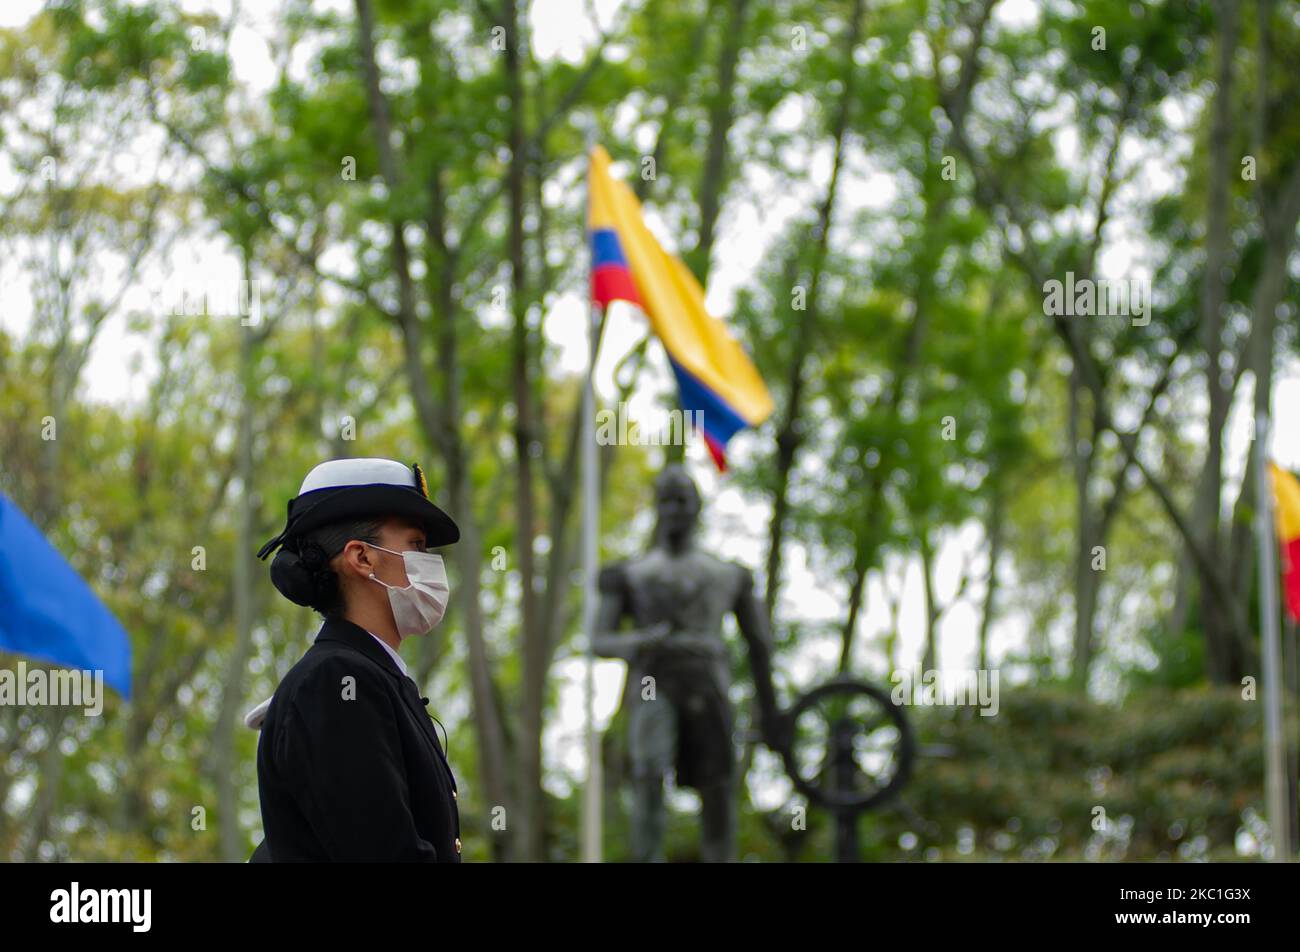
{"x": 1286, "y": 512}
{"x": 715, "y": 377}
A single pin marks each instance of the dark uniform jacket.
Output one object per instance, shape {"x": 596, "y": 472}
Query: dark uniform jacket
{"x": 348, "y": 765}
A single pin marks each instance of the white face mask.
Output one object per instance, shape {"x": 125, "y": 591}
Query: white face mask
{"x": 419, "y": 606}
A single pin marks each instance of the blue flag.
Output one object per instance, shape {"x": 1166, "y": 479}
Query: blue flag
{"x": 47, "y": 611}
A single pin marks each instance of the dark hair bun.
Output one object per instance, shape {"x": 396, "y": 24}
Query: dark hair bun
{"x": 306, "y": 578}
{"x": 291, "y": 577}
{"x": 302, "y": 570}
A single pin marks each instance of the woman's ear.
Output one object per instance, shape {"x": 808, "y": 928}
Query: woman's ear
{"x": 355, "y": 559}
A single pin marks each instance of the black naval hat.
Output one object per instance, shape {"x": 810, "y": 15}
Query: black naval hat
{"x": 342, "y": 489}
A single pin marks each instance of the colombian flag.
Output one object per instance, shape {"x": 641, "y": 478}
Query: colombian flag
{"x": 1286, "y": 509}
{"x": 714, "y": 374}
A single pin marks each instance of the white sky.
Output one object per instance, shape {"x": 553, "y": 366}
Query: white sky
{"x": 735, "y": 525}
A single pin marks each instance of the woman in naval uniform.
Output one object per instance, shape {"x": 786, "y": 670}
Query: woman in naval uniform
{"x": 349, "y": 767}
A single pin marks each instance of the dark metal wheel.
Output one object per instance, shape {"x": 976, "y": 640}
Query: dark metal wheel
{"x": 847, "y": 746}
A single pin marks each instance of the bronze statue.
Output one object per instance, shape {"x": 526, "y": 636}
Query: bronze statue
{"x": 679, "y": 668}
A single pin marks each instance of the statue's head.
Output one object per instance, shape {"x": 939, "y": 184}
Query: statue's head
{"x": 677, "y": 501}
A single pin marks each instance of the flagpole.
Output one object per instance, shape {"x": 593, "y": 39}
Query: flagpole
{"x": 1290, "y": 682}
{"x": 591, "y": 798}
{"x": 1274, "y": 749}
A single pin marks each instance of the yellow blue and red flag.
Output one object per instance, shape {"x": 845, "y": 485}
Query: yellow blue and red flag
{"x": 1286, "y": 514}
{"x": 717, "y": 381}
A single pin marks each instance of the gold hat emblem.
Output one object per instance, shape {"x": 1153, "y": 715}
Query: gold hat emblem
{"x": 420, "y": 482}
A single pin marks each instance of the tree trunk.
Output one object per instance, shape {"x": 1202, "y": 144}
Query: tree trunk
{"x": 531, "y": 801}
{"x": 789, "y": 435}
{"x": 713, "y": 180}
{"x": 1216, "y": 619}
{"x": 1085, "y": 576}
{"x": 994, "y": 529}
{"x": 851, "y": 621}
{"x": 224, "y": 762}
{"x": 489, "y": 728}
{"x": 930, "y": 657}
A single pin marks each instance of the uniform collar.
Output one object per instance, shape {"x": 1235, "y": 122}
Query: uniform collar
{"x": 354, "y": 636}
{"x": 397, "y": 659}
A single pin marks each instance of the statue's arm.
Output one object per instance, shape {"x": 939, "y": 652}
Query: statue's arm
{"x": 608, "y": 641}
{"x": 752, "y": 622}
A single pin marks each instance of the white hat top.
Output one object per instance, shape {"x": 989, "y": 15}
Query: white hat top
{"x": 358, "y": 472}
